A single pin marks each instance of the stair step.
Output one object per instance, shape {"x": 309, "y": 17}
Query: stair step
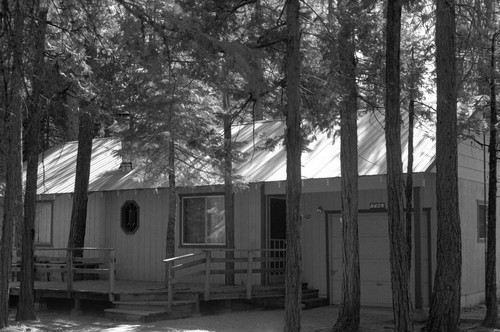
{"x": 181, "y": 294}
{"x": 148, "y": 311}
{"x": 136, "y": 315}
{"x": 310, "y": 294}
{"x": 146, "y": 296}
{"x": 151, "y": 305}
{"x": 314, "y": 303}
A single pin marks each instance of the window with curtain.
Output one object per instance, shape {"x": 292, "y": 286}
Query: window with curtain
{"x": 203, "y": 220}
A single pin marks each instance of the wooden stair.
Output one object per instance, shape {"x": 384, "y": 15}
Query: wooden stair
{"x": 310, "y": 299}
{"x": 153, "y": 306}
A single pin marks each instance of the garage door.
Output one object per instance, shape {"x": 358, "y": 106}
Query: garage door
{"x": 374, "y": 259}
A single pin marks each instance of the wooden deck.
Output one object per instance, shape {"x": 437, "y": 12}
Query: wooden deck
{"x": 89, "y": 289}
{"x": 199, "y": 276}
{"x": 98, "y": 290}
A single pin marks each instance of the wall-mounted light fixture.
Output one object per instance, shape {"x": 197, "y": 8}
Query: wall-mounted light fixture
{"x": 319, "y": 209}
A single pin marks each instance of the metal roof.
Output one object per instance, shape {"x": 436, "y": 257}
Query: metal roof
{"x": 321, "y": 158}
{"x": 57, "y": 166}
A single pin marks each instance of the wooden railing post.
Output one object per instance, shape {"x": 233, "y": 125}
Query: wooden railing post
{"x": 112, "y": 267}
{"x": 169, "y": 286}
{"x": 249, "y": 273}
{"x": 69, "y": 269}
{"x": 208, "y": 269}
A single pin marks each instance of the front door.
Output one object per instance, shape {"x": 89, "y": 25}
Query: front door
{"x": 277, "y": 236}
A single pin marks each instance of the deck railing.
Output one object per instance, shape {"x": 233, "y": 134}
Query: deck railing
{"x": 247, "y": 263}
{"x": 61, "y": 265}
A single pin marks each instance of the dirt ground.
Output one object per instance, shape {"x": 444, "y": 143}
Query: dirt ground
{"x": 321, "y": 319}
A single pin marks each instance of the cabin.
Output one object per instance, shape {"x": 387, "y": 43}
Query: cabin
{"x": 130, "y": 216}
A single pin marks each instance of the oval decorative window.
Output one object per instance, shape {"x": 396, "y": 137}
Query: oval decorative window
{"x": 130, "y": 217}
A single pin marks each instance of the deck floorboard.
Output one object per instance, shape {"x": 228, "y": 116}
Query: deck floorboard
{"x": 99, "y": 288}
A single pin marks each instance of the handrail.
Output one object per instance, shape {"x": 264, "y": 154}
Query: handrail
{"x": 172, "y": 259}
{"x": 71, "y": 265}
{"x": 249, "y": 271}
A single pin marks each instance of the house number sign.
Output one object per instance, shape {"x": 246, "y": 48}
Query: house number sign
{"x": 377, "y": 205}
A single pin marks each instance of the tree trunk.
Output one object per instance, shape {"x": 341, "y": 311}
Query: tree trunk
{"x": 172, "y": 197}
{"x": 400, "y": 273}
{"x": 26, "y": 306}
{"x": 409, "y": 170}
{"x": 293, "y": 167}
{"x": 228, "y": 195}
{"x": 491, "y": 318}
{"x": 348, "y": 319}
{"x": 444, "y": 312}
{"x": 409, "y": 181}
{"x": 13, "y": 200}
{"x": 80, "y": 197}
{"x": 258, "y": 84}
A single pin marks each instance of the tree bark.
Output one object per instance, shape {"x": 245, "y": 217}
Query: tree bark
{"x": 293, "y": 167}
{"x": 400, "y": 273}
{"x": 13, "y": 200}
{"x": 26, "y": 306}
{"x": 349, "y": 313}
{"x": 444, "y": 312}
{"x": 228, "y": 194}
{"x": 80, "y": 197}
{"x": 172, "y": 197}
{"x": 491, "y": 318}
{"x": 409, "y": 181}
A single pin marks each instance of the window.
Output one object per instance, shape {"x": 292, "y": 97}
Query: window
{"x": 43, "y": 223}
{"x": 130, "y": 217}
{"x": 203, "y": 220}
{"x": 481, "y": 220}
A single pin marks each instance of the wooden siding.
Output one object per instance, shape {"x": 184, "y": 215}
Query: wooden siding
{"x": 470, "y": 161}
{"x": 247, "y": 219}
{"x": 43, "y": 223}
{"x": 314, "y": 239}
{"x": 139, "y": 256}
{"x": 61, "y": 219}
{"x": 374, "y": 259}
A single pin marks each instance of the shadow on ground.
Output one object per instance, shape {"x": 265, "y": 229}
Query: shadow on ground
{"x": 240, "y": 318}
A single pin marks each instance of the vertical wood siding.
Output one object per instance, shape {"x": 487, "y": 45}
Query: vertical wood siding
{"x": 139, "y": 256}
{"x": 61, "y": 219}
{"x": 247, "y": 227}
{"x": 314, "y": 257}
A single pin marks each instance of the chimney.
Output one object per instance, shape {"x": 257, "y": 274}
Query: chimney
{"x": 126, "y": 166}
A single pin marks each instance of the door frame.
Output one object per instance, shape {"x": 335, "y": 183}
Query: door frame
{"x": 266, "y": 229}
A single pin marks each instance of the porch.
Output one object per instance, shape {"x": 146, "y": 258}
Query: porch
{"x": 218, "y": 275}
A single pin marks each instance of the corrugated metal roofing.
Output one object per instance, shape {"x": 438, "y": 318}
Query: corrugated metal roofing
{"x": 320, "y": 160}
{"x": 57, "y": 166}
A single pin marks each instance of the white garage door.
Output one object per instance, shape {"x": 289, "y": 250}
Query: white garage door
{"x": 374, "y": 259}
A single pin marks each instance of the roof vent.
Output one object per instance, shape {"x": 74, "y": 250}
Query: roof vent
{"x": 126, "y": 166}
